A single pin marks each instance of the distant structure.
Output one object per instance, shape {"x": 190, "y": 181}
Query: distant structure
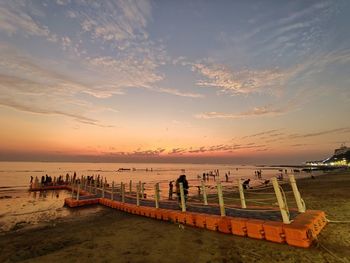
{"x": 342, "y": 150}
{"x": 341, "y": 157}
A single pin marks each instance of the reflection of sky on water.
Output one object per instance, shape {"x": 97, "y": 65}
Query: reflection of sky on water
{"x": 20, "y": 208}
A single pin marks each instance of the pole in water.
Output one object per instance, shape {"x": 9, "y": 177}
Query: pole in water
{"x": 142, "y": 190}
{"x": 140, "y": 185}
{"x": 241, "y": 194}
{"x": 281, "y": 204}
{"x": 298, "y": 199}
{"x": 112, "y": 191}
{"x": 122, "y": 189}
{"x": 221, "y": 199}
{"x": 78, "y": 190}
{"x": 138, "y": 194}
{"x": 156, "y": 194}
{"x": 182, "y": 196}
{"x": 103, "y": 190}
{"x": 95, "y": 186}
{"x": 72, "y": 187}
{"x": 130, "y": 186}
{"x": 204, "y": 191}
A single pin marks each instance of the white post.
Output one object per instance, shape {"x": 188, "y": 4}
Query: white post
{"x": 142, "y": 190}
{"x": 78, "y": 189}
{"x": 122, "y": 189}
{"x": 204, "y": 191}
{"x": 138, "y": 194}
{"x": 221, "y": 199}
{"x": 112, "y": 191}
{"x": 156, "y": 194}
{"x": 182, "y": 196}
{"x": 298, "y": 200}
{"x": 140, "y": 185}
{"x": 241, "y": 194}
{"x": 130, "y": 186}
{"x": 281, "y": 204}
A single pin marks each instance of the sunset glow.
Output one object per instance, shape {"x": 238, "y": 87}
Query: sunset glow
{"x": 169, "y": 81}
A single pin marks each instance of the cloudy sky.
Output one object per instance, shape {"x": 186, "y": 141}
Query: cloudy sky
{"x": 174, "y": 81}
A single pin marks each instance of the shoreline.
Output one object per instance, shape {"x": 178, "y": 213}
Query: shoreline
{"x": 115, "y": 236}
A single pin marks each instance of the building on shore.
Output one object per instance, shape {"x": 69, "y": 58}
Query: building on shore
{"x": 341, "y": 158}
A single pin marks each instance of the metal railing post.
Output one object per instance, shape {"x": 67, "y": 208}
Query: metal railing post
{"x": 138, "y": 195}
{"x": 298, "y": 199}
{"x": 182, "y": 196}
{"x": 221, "y": 199}
{"x": 156, "y": 194}
{"x": 204, "y": 191}
{"x": 241, "y": 194}
{"x": 78, "y": 189}
{"x": 112, "y": 191}
{"x": 123, "y": 191}
{"x": 281, "y": 204}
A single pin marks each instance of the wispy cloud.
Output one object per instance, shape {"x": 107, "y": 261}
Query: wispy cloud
{"x": 25, "y": 86}
{"x": 255, "y": 112}
{"x": 13, "y": 19}
{"x": 325, "y": 132}
{"x": 116, "y": 20}
{"x": 35, "y": 109}
{"x": 259, "y": 134}
{"x": 295, "y": 32}
{"x": 238, "y": 82}
{"x": 178, "y": 93}
{"x": 300, "y": 136}
{"x": 177, "y": 151}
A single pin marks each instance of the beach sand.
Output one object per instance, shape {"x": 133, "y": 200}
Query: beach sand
{"x": 113, "y": 236}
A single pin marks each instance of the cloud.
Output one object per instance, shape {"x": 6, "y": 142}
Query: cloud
{"x": 306, "y": 21}
{"x": 320, "y": 133}
{"x": 177, "y": 151}
{"x": 115, "y": 20}
{"x": 177, "y": 92}
{"x": 224, "y": 148}
{"x": 297, "y": 136}
{"x": 255, "y": 112}
{"x": 238, "y": 82}
{"x": 25, "y": 86}
{"x": 269, "y": 132}
{"x": 14, "y": 19}
{"x": 35, "y": 109}
{"x": 147, "y": 152}
{"x": 62, "y": 2}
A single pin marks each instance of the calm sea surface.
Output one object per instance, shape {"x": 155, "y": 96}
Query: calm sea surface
{"x": 17, "y": 174}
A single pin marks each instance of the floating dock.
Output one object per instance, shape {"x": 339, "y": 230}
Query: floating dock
{"x": 295, "y": 227}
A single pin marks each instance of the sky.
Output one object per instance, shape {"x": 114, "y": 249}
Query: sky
{"x": 240, "y": 82}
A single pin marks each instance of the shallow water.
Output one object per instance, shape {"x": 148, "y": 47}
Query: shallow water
{"x": 20, "y": 208}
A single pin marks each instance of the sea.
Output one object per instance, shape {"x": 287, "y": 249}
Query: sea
{"x": 20, "y": 208}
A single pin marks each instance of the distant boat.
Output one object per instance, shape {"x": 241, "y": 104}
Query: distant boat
{"x": 124, "y": 169}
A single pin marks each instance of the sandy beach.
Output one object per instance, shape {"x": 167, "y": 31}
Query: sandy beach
{"x": 113, "y": 236}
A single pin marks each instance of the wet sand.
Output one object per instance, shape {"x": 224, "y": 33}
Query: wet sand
{"x": 113, "y": 236}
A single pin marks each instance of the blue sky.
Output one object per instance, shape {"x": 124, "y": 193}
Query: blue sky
{"x": 205, "y": 80}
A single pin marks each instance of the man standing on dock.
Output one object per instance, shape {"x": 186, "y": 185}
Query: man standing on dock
{"x": 182, "y": 179}
{"x": 171, "y": 190}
